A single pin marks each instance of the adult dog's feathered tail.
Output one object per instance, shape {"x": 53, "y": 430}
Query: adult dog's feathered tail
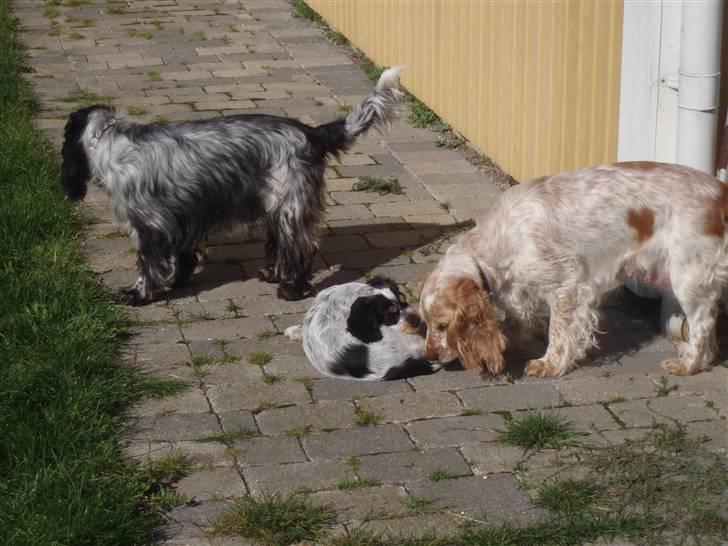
{"x": 375, "y": 111}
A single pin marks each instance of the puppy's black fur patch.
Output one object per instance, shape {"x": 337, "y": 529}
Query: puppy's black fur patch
{"x": 368, "y": 314}
{"x": 353, "y": 361}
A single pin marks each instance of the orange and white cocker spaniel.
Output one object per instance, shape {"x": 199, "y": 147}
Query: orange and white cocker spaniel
{"x": 554, "y": 246}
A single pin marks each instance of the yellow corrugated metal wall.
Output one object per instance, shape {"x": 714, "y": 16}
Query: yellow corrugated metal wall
{"x": 532, "y": 84}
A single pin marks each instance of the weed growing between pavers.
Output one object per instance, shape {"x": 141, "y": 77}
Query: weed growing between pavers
{"x": 378, "y": 184}
{"x": 229, "y": 437}
{"x": 158, "y": 477}
{"x": 537, "y": 430}
{"x": 83, "y": 98}
{"x": 366, "y": 418}
{"x": 300, "y": 431}
{"x": 259, "y": 358}
{"x": 159, "y": 387}
{"x": 64, "y": 389}
{"x": 276, "y": 519}
{"x": 348, "y": 485}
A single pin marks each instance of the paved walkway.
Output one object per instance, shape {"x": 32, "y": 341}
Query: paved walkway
{"x": 179, "y": 59}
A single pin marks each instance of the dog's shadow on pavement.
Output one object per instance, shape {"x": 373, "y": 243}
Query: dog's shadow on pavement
{"x": 403, "y": 251}
{"x": 628, "y": 340}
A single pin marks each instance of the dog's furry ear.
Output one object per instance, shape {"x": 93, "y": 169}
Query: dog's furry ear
{"x": 475, "y": 333}
{"x": 385, "y": 282}
{"x": 368, "y": 314}
{"x": 75, "y": 171}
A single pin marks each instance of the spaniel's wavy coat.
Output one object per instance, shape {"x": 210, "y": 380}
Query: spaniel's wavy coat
{"x": 549, "y": 249}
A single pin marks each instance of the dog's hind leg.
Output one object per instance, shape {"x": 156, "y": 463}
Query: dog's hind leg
{"x": 268, "y": 272}
{"x": 698, "y": 294}
{"x": 297, "y": 247}
{"x": 187, "y": 261}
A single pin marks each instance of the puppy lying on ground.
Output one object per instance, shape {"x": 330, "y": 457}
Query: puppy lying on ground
{"x": 363, "y": 331}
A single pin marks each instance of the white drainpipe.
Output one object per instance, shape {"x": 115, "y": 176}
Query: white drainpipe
{"x": 700, "y": 49}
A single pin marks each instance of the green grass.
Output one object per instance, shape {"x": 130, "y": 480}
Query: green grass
{"x": 567, "y": 497}
{"x": 378, "y": 184}
{"x": 270, "y": 378}
{"x": 259, "y": 358}
{"x": 300, "y": 431}
{"x": 353, "y": 462}
{"x": 449, "y": 142}
{"x": 439, "y": 475}
{"x": 663, "y": 389}
{"x": 266, "y": 334}
{"x": 349, "y": 485}
{"x": 51, "y": 12}
{"x": 276, "y": 519}
{"x": 83, "y": 97}
{"x": 366, "y": 418}
{"x": 158, "y": 387}
{"x": 135, "y": 111}
{"x": 420, "y": 114}
{"x": 536, "y": 430}
{"x": 64, "y": 479}
{"x": 116, "y": 10}
{"x": 302, "y": 10}
{"x": 228, "y": 438}
{"x": 418, "y": 504}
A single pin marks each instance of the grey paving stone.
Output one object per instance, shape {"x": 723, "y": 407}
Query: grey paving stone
{"x": 191, "y": 401}
{"x": 157, "y": 333}
{"x": 453, "y": 379}
{"x": 604, "y": 389}
{"x": 211, "y": 484}
{"x": 712, "y": 434}
{"x": 191, "y": 521}
{"x": 291, "y": 477}
{"x": 415, "y": 526}
{"x": 492, "y": 457}
{"x": 667, "y": 410}
{"x": 496, "y": 496}
{"x": 254, "y": 396}
{"x": 180, "y": 426}
{"x": 456, "y": 431}
{"x": 364, "y": 504}
{"x": 407, "y": 466}
{"x": 359, "y": 441}
{"x": 511, "y": 397}
{"x": 235, "y": 420}
{"x": 409, "y": 406}
{"x": 683, "y": 408}
{"x": 338, "y": 389}
{"x": 221, "y": 329}
{"x": 587, "y": 419}
{"x": 273, "y": 450}
{"x": 318, "y": 416}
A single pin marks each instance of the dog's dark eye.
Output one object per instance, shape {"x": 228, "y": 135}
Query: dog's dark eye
{"x": 441, "y": 327}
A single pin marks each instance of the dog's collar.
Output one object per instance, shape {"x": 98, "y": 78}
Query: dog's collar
{"x": 98, "y": 134}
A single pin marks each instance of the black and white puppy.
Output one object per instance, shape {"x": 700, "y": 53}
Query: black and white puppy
{"x": 363, "y": 331}
{"x": 172, "y": 184}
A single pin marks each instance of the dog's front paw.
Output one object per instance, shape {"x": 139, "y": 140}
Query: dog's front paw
{"x": 539, "y": 368}
{"x": 131, "y": 296}
{"x": 290, "y": 292}
{"x": 266, "y": 274}
{"x": 676, "y": 366}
